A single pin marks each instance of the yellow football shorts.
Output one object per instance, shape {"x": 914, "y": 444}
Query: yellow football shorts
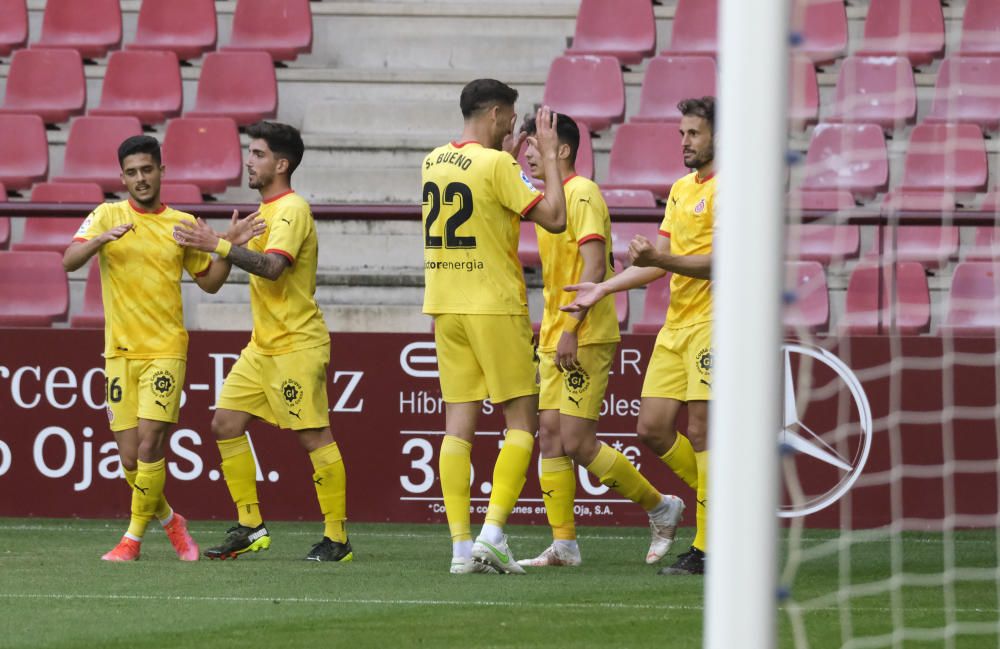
{"x": 681, "y": 365}
{"x": 287, "y": 390}
{"x": 143, "y": 388}
{"x": 578, "y": 392}
{"x": 483, "y": 356}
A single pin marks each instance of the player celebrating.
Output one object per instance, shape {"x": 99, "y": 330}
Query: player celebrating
{"x": 575, "y": 351}
{"x": 145, "y": 343}
{"x": 474, "y": 194}
{"x": 680, "y": 369}
{"x": 280, "y": 376}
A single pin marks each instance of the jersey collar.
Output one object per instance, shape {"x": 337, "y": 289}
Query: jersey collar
{"x": 274, "y": 198}
{"x": 459, "y": 145}
{"x": 136, "y": 208}
{"x": 569, "y": 178}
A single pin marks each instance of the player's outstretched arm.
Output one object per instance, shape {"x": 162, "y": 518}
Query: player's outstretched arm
{"x": 550, "y": 212}
{"x": 200, "y": 236}
{"x": 269, "y": 266}
{"x": 79, "y": 252}
{"x": 588, "y": 294}
{"x": 643, "y": 254}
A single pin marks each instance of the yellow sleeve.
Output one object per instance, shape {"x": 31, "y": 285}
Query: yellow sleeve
{"x": 93, "y": 225}
{"x": 668, "y": 215}
{"x": 196, "y": 262}
{"x": 513, "y": 187}
{"x": 589, "y": 213}
{"x": 288, "y": 230}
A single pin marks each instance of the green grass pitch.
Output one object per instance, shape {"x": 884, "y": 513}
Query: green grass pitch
{"x": 55, "y": 592}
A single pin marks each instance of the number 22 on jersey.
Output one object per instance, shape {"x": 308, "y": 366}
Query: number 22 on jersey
{"x": 457, "y": 198}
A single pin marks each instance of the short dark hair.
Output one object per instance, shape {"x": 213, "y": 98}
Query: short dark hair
{"x": 483, "y": 93}
{"x": 566, "y": 130}
{"x": 703, "y": 107}
{"x": 139, "y": 144}
{"x": 284, "y": 141}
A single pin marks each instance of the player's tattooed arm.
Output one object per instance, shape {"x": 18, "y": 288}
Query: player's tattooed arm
{"x": 270, "y": 265}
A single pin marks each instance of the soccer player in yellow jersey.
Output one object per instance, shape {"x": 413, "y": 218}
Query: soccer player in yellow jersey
{"x": 281, "y": 375}
{"x": 474, "y": 196}
{"x": 575, "y": 351}
{"x": 145, "y": 343}
{"x": 680, "y": 369}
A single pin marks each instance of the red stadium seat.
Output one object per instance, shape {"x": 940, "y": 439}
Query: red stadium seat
{"x": 24, "y": 151}
{"x": 629, "y": 197}
{"x": 54, "y": 233}
{"x": 646, "y": 156}
{"x": 848, "y": 156}
{"x": 203, "y": 151}
{"x": 803, "y": 93}
{"x": 240, "y": 85}
{"x": 946, "y": 157}
{"x": 867, "y": 312}
{"x": 654, "y": 307}
{"x": 180, "y": 193}
{"x": 92, "y": 150}
{"x": 4, "y": 222}
{"x": 590, "y": 89}
{"x": 670, "y": 79}
{"x": 185, "y": 27}
{"x": 145, "y": 85}
{"x": 527, "y": 246}
{"x": 13, "y": 26}
{"x": 986, "y": 245}
{"x": 826, "y": 244}
{"x": 875, "y": 90}
{"x": 974, "y": 300}
{"x": 695, "y": 28}
{"x": 622, "y": 233}
{"x": 980, "y": 29}
{"x": 91, "y": 316}
{"x": 47, "y": 83}
{"x": 283, "y": 28}
{"x": 91, "y": 28}
{"x": 822, "y": 25}
{"x": 34, "y": 290}
{"x": 968, "y": 91}
{"x": 624, "y": 29}
{"x": 820, "y": 201}
{"x": 910, "y": 28}
{"x": 810, "y": 309}
{"x": 930, "y": 246}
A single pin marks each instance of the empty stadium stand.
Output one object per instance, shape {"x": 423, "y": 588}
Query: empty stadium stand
{"x": 185, "y": 27}
{"x": 624, "y": 29}
{"x": 34, "y": 291}
{"x": 203, "y": 151}
{"x": 590, "y": 89}
{"x": 238, "y": 85}
{"x": 92, "y": 150}
{"x": 92, "y": 28}
{"x": 142, "y": 84}
{"x": 46, "y": 82}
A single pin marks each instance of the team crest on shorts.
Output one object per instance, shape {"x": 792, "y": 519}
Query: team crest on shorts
{"x": 163, "y": 383}
{"x": 291, "y": 392}
{"x": 704, "y": 361}
{"x": 577, "y": 380}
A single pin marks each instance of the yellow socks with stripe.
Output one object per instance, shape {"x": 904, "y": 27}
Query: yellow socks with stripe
{"x": 681, "y": 460}
{"x": 509, "y": 475}
{"x": 558, "y": 483}
{"x": 146, "y": 494}
{"x": 163, "y": 510}
{"x": 240, "y": 471}
{"x": 455, "y": 467}
{"x": 701, "y": 515}
{"x": 615, "y": 471}
{"x": 330, "y": 481}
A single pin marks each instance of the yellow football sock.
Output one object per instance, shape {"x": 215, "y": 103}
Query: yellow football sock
{"x": 330, "y": 481}
{"x": 240, "y": 471}
{"x": 681, "y": 460}
{"x": 701, "y": 515}
{"x": 146, "y": 493}
{"x": 163, "y": 509}
{"x": 509, "y": 475}
{"x": 558, "y": 484}
{"x": 615, "y": 471}
{"x": 455, "y": 467}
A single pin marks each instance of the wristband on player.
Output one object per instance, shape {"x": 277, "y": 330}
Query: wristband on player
{"x": 223, "y": 248}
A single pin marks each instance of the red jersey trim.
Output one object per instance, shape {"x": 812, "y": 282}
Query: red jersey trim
{"x": 590, "y": 237}
{"x": 459, "y": 145}
{"x": 569, "y": 178}
{"x": 532, "y": 204}
{"x": 205, "y": 272}
{"x": 163, "y": 208}
{"x": 664, "y": 234}
{"x": 705, "y": 179}
{"x": 286, "y": 255}
{"x": 80, "y": 239}
{"x": 274, "y": 198}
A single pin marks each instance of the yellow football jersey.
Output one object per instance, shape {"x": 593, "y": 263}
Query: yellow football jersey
{"x": 473, "y": 198}
{"x": 690, "y": 223}
{"x": 286, "y": 317}
{"x": 141, "y": 280}
{"x": 587, "y": 219}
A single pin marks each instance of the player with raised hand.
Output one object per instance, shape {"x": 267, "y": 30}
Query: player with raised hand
{"x": 680, "y": 369}
{"x": 575, "y": 351}
{"x": 145, "y": 343}
{"x": 474, "y": 195}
